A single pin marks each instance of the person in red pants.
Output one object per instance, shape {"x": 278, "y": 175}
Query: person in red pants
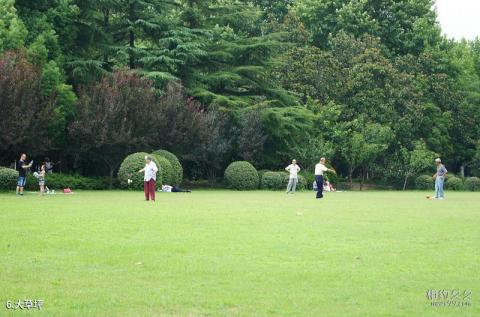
{"x": 150, "y": 178}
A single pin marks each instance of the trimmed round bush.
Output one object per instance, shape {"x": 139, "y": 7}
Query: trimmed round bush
{"x": 168, "y": 176}
{"x": 8, "y": 178}
{"x": 241, "y": 175}
{"x": 129, "y": 170}
{"x": 272, "y": 180}
{"x": 176, "y": 166}
{"x": 424, "y": 182}
{"x": 454, "y": 183}
{"x": 302, "y": 182}
{"x": 473, "y": 184}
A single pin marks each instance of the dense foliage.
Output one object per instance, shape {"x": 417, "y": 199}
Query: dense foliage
{"x": 58, "y": 181}
{"x": 241, "y": 175}
{"x": 272, "y": 180}
{"x": 371, "y": 85}
{"x": 128, "y": 173}
{"x": 473, "y": 184}
{"x": 177, "y": 169}
{"x": 8, "y": 178}
{"x": 165, "y": 168}
{"x": 424, "y": 182}
{"x": 454, "y": 183}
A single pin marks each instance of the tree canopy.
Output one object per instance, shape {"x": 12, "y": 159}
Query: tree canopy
{"x": 367, "y": 83}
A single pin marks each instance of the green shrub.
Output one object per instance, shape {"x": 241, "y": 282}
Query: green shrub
{"x": 8, "y": 178}
{"x": 59, "y": 181}
{"x": 260, "y": 176}
{"x": 424, "y": 182}
{"x": 302, "y": 182}
{"x": 176, "y": 166}
{"x": 129, "y": 170}
{"x": 241, "y": 175}
{"x": 454, "y": 183}
{"x": 473, "y": 184}
{"x": 272, "y": 180}
{"x": 331, "y": 177}
{"x": 168, "y": 175}
{"x": 309, "y": 179}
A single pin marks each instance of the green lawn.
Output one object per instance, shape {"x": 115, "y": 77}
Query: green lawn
{"x": 225, "y": 253}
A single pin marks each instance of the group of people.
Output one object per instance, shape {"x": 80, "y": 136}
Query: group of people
{"x": 150, "y": 177}
{"x": 321, "y": 185}
{"x": 22, "y": 167}
{"x": 320, "y": 182}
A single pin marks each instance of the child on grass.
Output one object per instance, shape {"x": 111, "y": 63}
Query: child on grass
{"x": 41, "y": 179}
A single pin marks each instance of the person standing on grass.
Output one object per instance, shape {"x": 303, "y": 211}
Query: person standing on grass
{"x": 150, "y": 177}
{"x": 439, "y": 177}
{"x": 320, "y": 168}
{"x": 293, "y": 178}
{"x": 22, "y": 168}
{"x": 41, "y": 178}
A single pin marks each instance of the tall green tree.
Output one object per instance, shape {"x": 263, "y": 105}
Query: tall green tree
{"x": 12, "y": 30}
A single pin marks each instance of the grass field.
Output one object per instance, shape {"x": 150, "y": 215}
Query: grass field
{"x": 224, "y": 253}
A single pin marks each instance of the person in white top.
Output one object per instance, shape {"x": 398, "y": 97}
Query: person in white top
{"x": 174, "y": 189}
{"x": 150, "y": 178}
{"x": 293, "y": 178}
{"x": 320, "y": 168}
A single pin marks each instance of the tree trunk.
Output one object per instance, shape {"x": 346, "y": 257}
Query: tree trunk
{"x": 462, "y": 170}
{"x": 211, "y": 175}
{"x": 131, "y": 36}
{"x": 362, "y": 180}
{"x": 405, "y": 182}
{"x": 110, "y": 177}
{"x": 350, "y": 176}
{"x": 106, "y": 23}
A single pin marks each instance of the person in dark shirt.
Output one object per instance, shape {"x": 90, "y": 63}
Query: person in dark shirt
{"x": 22, "y": 168}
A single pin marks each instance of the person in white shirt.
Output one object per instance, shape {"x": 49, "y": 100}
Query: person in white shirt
{"x": 150, "y": 178}
{"x": 320, "y": 168}
{"x": 293, "y": 178}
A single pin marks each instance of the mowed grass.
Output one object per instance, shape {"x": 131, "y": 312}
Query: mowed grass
{"x": 226, "y": 253}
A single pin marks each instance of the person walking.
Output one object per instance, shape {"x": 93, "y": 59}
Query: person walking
{"x": 439, "y": 177}
{"x": 293, "y": 178}
{"x": 320, "y": 168}
{"x": 22, "y": 168}
{"x": 150, "y": 177}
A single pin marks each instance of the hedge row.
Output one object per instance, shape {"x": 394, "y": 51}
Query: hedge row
{"x": 8, "y": 181}
{"x": 242, "y": 175}
{"x": 279, "y": 180}
{"x": 451, "y": 183}
{"x": 59, "y": 181}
